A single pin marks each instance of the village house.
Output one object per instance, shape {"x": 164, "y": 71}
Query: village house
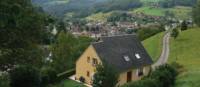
{"x": 125, "y": 53}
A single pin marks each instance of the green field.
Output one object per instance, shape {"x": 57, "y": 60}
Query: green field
{"x": 186, "y": 51}
{"x": 99, "y": 16}
{"x": 68, "y": 83}
{"x": 150, "y": 11}
{"x": 181, "y": 12}
{"x": 53, "y": 2}
{"x": 153, "y": 45}
{"x": 146, "y": 1}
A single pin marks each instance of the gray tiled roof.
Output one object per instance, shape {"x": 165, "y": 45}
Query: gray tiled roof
{"x": 113, "y": 49}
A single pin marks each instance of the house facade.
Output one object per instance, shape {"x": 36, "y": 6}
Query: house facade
{"x": 124, "y": 53}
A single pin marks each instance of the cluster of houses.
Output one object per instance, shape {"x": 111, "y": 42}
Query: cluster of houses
{"x": 96, "y": 29}
{"x": 99, "y": 29}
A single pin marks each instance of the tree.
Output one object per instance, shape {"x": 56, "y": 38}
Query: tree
{"x": 175, "y": 33}
{"x": 196, "y": 12}
{"x": 62, "y": 51}
{"x": 21, "y": 30}
{"x": 105, "y": 76}
{"x": 25, "y": 76}
{"x": 184, "y": 26}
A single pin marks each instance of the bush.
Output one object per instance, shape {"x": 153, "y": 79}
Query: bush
{"x": 25, "y": 76}
{"x": 163, "y": 76}
{"x": 147, "y": 82}
{"x": 48, "y": 75}
{"x": 4, "y": 80}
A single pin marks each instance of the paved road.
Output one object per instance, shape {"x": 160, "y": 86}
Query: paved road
{"x": 165, "y": 51}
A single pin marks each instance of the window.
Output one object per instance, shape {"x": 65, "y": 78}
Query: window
{"x": 140, "y": 72}
{"x": 88, "y": 74}
{"x": 94, "y": 62}
{"x": 88, "y": 59}
{"x": 126, "y": 58}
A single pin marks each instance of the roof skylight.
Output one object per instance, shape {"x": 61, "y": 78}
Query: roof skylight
{"x": 126, "y": 58}
{"x": 137, "y": 56}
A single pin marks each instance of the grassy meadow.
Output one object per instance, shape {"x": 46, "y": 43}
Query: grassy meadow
{"x": 181, "y": 12}
{"x": 185, "y": 50}
{"x": 150, "y": 11}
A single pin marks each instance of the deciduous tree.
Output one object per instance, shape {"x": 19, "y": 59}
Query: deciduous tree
{"x": 196, "y": 12}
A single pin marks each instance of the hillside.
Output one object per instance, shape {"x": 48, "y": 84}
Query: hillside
{"x": 153, "y": 45}
{"x": 83, "y": 8}
{"x": 185, "y": 51}
{"x": 181, "y": 12}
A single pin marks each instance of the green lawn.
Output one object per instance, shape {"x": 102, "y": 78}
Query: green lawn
{"x": 150, "y": 11}
{"x": 181, "y": 12}
{"x": 99, "y": 16}
{"x": 186, "y": 51}
{"x": 68, "y": 83}
{"x": 153, "y": 45}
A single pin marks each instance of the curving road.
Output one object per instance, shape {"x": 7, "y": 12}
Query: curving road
{"x": 165, "y": 51}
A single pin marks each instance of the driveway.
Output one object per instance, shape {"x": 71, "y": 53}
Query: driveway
{"x": 165, "y": 51}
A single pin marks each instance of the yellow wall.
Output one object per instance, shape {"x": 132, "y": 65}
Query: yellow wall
{"x": 82, "y": 65}
{"x": 123, "y": 76}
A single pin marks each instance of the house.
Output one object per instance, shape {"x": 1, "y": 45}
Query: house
{"x": 125, "y": 53}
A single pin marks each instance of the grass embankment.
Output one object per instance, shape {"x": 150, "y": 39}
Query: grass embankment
{"x": 185, "y": 50}
{"x": 153, "y": 45}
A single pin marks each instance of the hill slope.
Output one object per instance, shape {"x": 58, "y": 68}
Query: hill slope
{"x": 153, "y": 45}
{"x": 186, "y": 51}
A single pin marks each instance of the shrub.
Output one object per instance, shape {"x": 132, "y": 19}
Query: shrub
{"x": 106, "y": 76}
{"x": 163, "y": 76}
{"x": 25, "y": 76}
{"x": 4, "y": 80}
{"x": 48, "y": 75}
{"x": 147, "y": 82}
